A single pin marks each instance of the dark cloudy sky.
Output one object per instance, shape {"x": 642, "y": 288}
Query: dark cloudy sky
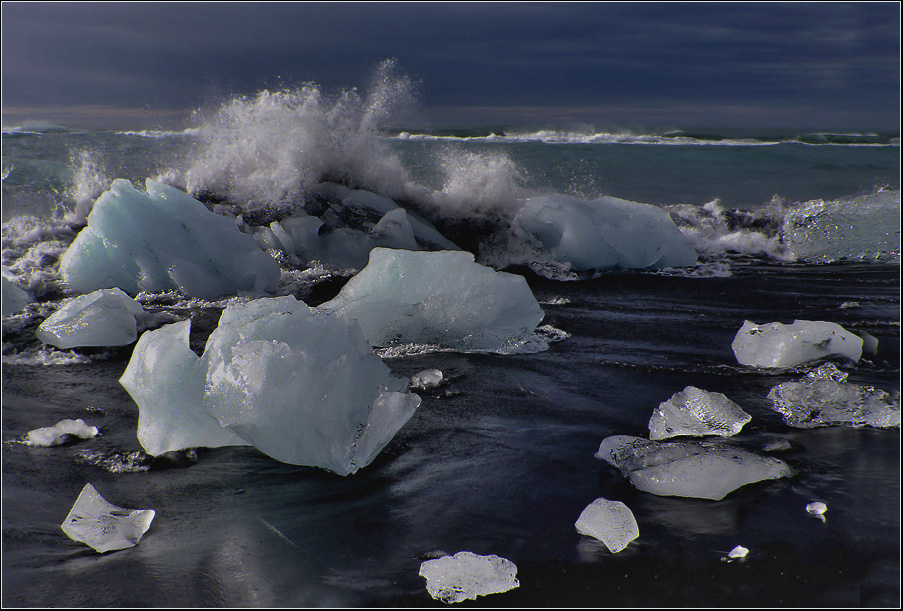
{"x": 818, "y": 65}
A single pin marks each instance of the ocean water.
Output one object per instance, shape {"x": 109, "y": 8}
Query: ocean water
{"x": 500, "y": 460}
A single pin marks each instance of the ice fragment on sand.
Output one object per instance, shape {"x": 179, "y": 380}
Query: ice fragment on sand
{"x": 825, "y": 398}
{"x": 106, "y": 317}
{"x": 301, "y": 385}
{"x": 426, "y": 379}
{"x": 736, "y": 553}
{"x": 611, "y": 522}
{"x": 104, "y": 526}
{"x": 779, "y": 345}
{"x": 166, "y": 379}
{"x": 693, "y": 411}
{"x": 688, "y": 468}
{"x": 60, "y": 432}
{"x": 164, "y": 240}
{"x": 14, "y": 298}
{"x": 467, "y": 575}
{"x": 605, "y": 232}
{"x": 438, "y": 298}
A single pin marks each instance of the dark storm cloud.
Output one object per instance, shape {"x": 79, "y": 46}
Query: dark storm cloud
{"x": 824, "y": 57}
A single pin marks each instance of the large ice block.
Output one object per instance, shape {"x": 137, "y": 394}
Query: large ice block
{"x": 106, "y": 317}
{"x": 164, "y": 240}
{"x": 776, "y": 345}
{"x": 611, "y": 522}
{"x": 604, "y": 233}
{"x": 466, "y": 575}
{"x": 688, "y": 469}
{"x": 104, "y": 526}
{"x": 825, "y": 398}
{"x": 14, "y": 298}
{"x": 697, "y": 412}
{"x": 301, "y": 385}
{"x": 438, "y": 298}
{"x": 166, "y": 380}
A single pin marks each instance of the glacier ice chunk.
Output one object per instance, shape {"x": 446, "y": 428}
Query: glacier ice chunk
{"x": 426, "y": 379}
{"x": 693, "y": 411}
{"x": 302, "y": 386}
{"x": 60, "y": 432}
{"x": 604, "y": 233}
{"x": 777, "y": 345}
{"x": 688, "y": 469}
{"x": 611, "y": 522}
{"x": 106, "y": 317}
{"x": 14, "y": 298}
{"x": 825, "y": 398}
{"x": 466, "y": 575}
{"x": 438, "y": 298}
{"x": 104, "y": 526}
{"x": 166, "y": 380}
{"x": 737, "y": 553}
{"x": 163, "y": 240}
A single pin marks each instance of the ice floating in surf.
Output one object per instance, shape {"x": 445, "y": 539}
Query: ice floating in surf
{"x": 61, "y": 432}
{"x": 427, "y": 379}
{"x": 737, "y": 553}
{"x": 104, "y": 526}
{"x": 466, "y": 575}
{"x": 106, "y": 317}
{"x": 776, "y": 345}
{"x": 301, "y": 385}
{"x": 604, "y": 233}
{"x": 13, "y": 296}
{"x": 825, "y": 398}
{"x": 164, "y": 240}
{"x": 611, "y": 522}
{"x": 438, "y": 298}
{"x": 817, "y": 509}
{"x": 697, "y": 412}
{"x": 688, "y": 469}
{"x": 864, "y": 227}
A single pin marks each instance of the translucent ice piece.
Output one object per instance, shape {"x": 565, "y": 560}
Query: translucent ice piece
{"x": 106, "y": 317}
{"x": 688, "y": 469}
{"x": 58, "y": 433}
{"x": 778, "y": 345}
{"x": 825, "y": 398}
{"x": 611, "y": 522}
{"x": 438, "y": 298}
{"x": 693, "y": 411}
{"x": 104, "y": 526}
{"x": 736, "y": 554}
{"x": 466, "y": 575}
{"x": 166, "y": 380}
{"x": 428, "y": 378}
{"x": 14, "y": 299}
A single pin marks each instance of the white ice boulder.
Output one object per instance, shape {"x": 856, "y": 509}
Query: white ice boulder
{"x": 104, "y": 526}
{"x": 688, "y": 469}
{"x": 776, "y": 345}
{"x": 301, "y": 385}
{"x": 164, "y": 240}
{"x": 14, "y": 298}
{"x": 697, "y": 412}
{"x": 466, "y": 575}
{"x": 61, "y": 432}
{"x": 166, "y": 380}
{"x": 438, "y": 298}
{"x": 427, "y": 379}
{"x": 604, "y": 233}
{"x": 825, "y": 398}
{"x": 611, "y": 522}
{"x": 106, "y": 317}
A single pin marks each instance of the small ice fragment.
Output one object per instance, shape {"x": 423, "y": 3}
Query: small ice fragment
{"x": 777, "y": 345}
{"x": 849, "y": 304}
{"x": 817, "y": 509}
{"x": 14, "y": 299}
{"x": 428, "y": 378}
{"x": 104, "y": 526}
{"x": 62, "y": 430}
{"x": 736, "y": 553}
{"x": 697, "y": 412}
{"x": 611, "y": 522}
{"x": 467, "y": 575}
